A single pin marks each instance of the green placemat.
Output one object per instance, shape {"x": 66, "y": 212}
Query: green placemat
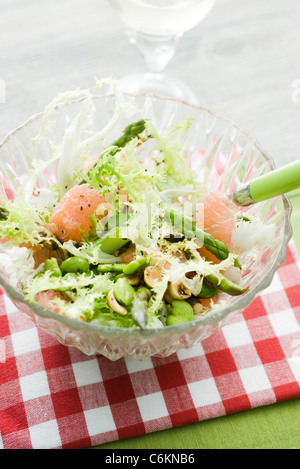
{"x": 275, "y": 426}
{"x": 270, "y": 427}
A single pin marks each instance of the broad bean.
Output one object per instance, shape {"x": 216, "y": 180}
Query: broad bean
{"x": 123, "y": 291}
{"x": 179, "y": 312}
{"x": 75, "y": 265}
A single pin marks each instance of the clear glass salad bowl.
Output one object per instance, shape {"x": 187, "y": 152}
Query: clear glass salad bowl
{"x": 220, "y": 153}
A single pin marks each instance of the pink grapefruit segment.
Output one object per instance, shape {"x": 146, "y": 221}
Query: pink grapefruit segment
{"x": 70, "y": 218}
{"x": 219, "y": 220}
{"x": 45, "y": 299}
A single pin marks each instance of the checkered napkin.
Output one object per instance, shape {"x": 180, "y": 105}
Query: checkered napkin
{"x": 52, "y": 396}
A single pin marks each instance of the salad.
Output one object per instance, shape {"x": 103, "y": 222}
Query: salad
{"x": 121, "y": 240}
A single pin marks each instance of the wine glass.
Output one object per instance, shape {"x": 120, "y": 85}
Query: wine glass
{"x": 155, "y": 27}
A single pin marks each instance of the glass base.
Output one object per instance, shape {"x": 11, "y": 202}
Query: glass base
{"x": 159, "y": 84}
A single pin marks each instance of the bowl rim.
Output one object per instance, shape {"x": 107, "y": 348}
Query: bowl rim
{"x": 213, "y": 318}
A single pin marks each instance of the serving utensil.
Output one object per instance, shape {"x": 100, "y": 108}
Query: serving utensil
{"x": 277, "y": 182}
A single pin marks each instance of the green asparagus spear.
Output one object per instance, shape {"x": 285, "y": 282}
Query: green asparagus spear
{"x": 111, "y": 267}
{"x": 53, "y": 267}
{"x": 111, "y": 242}
{"x": 207, "y": 291}
{"x": 139, "y": 307}
{"x": 130, "y": 132}
{"x": 135, "y": 266}
{"x": 3, "y": 213}
{"x": 225, "y": 285}
{"x": 188, "y": 227}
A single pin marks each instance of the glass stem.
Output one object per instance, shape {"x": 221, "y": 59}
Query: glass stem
{"x": 156, "y": 50}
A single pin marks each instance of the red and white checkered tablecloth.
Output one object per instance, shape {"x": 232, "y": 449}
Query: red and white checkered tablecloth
{"x": 52, "y": 396}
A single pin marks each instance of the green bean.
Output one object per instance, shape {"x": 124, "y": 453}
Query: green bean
{"x": 135, "y": 266}
{"x": 52, "y": 266}
{"x": 75, "y": 265}
{"x": 207, "y": 291}
{"x": 123, "y": 291}
{"x": 179, "y": 312}
{"x": 139, "y": 307}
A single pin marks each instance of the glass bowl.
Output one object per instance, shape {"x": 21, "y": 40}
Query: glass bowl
{"x": 220, "y": 153}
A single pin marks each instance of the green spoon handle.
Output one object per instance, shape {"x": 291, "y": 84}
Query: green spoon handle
{"x": 276, "y": 182}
